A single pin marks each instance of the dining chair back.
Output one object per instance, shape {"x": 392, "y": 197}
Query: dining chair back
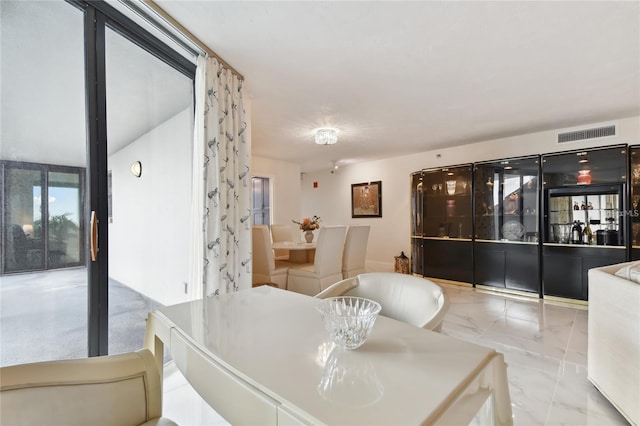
{"x": 123, "y": 389}
{"x": 355, "y": 251}
{"x": 409, "y": 299}
{"x": 265, "y": 268}
{"x": 312, "y": 278}
{"x": 281, "y": 233}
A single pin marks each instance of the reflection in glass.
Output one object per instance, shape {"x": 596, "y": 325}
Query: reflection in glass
{"x": 24, "y": 247}
{"x": 349, "y": 380}
{"x": 64, "y": 218}
{"x": 506, "y": 200}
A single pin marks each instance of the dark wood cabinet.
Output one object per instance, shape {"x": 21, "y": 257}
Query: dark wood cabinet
{"x": 634, "y": 202}
{"x": 417, "y": 255}
{"x": 507, "y": 223}
{"x": 565, "y": 269}
{"x": 507, "y": 265}
{"x": 573, "y": 203}
{"x": 448, "y": 259}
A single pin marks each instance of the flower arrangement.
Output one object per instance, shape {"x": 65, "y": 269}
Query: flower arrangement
{"x": 309, "y": 224}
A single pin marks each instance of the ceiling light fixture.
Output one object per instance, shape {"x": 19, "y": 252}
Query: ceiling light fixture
{"x": 326, "y": 136}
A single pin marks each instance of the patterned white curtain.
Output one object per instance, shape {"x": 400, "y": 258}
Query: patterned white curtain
{"x": 221, "y": 206}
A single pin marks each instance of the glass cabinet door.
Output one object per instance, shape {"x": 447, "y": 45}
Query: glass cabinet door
{"x": 447, "y": 203}
{"x": 417, "y": 200}
{"x": 506, "y": 200}
{"x": 585, "y": 188}
{"x": 585, "y": 167}
{"x": 416, "y": 204}
{"x": 634, "y": 202}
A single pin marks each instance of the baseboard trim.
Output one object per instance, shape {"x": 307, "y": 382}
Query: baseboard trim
{"x": 525, "y": 294}
{"x": 450, "y": 282}
{"x": 563, "y": 301}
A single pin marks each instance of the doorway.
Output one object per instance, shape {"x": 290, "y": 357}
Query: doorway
{"x": 261, "y": 201}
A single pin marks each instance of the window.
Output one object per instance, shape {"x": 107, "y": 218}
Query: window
{"x": 261, "y": 201}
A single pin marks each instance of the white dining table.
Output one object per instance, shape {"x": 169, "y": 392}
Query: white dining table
{"x": 262, "y": 356}
{"x": 299, "y": 252}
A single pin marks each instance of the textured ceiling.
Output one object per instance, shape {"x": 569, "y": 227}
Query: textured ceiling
{"x": 403, "y": 77}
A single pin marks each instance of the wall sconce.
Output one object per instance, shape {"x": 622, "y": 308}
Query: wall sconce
{"x": 136, "y": 169}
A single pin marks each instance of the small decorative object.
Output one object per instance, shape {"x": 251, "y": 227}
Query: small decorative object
{"x": 584, "y": 177}
{"x": 308, "y": 225}
{"x": 511, "y": 203}
{"x": 512, "y": 230}
{"x": 402, "y": 264}
{"x": 451, "y": 208}
{"x": 308, "y": 236}
{"x": 451, "y": 187}
{"x": 349, "y": 320}
{"x": 635, "y": 175}
{"x": 366, "y": 199}
{"x": 575, "y": 205}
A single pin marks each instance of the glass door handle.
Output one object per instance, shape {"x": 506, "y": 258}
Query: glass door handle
{"x": 94, "y": 236}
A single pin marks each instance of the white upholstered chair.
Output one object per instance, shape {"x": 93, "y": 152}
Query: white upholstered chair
{"x": 312, "y": 278}
{"x": 265, "y": 268}
{"x": 355, "y": 251}
{"x": 124, "y": 389}
{"x": 281, "y": 233}
{"x": 409, "y": 299}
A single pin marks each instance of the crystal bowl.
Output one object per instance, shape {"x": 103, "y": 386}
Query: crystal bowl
{"x": 349, "y": 320}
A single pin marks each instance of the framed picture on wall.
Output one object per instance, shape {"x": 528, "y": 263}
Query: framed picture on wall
{"x": 366, "y": 199}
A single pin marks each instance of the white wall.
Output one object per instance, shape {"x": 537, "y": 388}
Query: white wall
{"x": 391, "y": 234}
{"x": 285, "y": 189}
{"x": 149, "y": 236}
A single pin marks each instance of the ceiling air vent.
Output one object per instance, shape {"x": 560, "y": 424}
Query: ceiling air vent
{"x": 580, "y": 135}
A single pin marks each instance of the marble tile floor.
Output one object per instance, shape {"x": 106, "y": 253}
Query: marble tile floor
{"x": 544, "y": 344}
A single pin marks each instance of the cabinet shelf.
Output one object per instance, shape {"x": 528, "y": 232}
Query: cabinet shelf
{"x": 583, "y": 211}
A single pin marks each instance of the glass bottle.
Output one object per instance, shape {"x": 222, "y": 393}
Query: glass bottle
{"x": 576, "y": 233}
{"x": 587, "y": 236}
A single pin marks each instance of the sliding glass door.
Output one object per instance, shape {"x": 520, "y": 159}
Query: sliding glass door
{"x": 43, "y": 276}
{"x": 32, "y": 192}
{"x": 149, "y": 139}
{"x": 86, "y": 94}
